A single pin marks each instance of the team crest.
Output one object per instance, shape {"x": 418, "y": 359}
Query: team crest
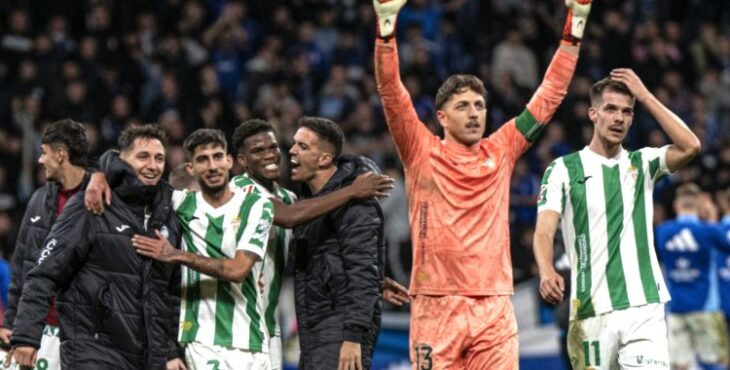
{"x": 165, "y": 232}
{"x": 236, "y": 222}
{"x": 633, "y": 171}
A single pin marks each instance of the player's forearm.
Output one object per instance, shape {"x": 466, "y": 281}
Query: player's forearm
{"x": 300, "y": 212}
{"x": 219, "y": 268}
{"x": 543, "y": 249}
{"x": 554, "y": 86}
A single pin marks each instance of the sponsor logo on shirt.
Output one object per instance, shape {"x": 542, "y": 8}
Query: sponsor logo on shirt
{"x": 47, "y": 250}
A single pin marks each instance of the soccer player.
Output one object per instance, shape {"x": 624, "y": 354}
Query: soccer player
{"x": 603, "y": 195}
{"x": 365, "y": 186}
{"x": 259, "y": 153}
{"x": 116, "y": 309}
{"x": 687, "y": 247}
{"x": 225, "y": 235}
{"x": 458, "y": 191}
{"x": 339, "y": 258}
{"x": 64, "y": 157}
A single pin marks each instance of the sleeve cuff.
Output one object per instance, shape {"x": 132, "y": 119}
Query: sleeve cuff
{"x": 24, "y": 341}
{"x": 354, "y": 334}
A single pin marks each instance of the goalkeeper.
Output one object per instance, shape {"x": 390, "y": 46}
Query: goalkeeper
{"x": 458, "y": 190}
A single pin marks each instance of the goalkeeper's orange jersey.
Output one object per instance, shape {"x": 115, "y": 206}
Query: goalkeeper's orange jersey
{"x": 458, "y": 195}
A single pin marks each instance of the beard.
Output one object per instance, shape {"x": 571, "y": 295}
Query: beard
{"x": 212, "y": 190}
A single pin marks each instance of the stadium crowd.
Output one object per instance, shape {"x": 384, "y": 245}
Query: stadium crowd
{"x": 215, "y": 63}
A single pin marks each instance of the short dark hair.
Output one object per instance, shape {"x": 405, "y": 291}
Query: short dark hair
{"x": 608, "y": 84}
{"x": 326, "y": 130}
{"x": 204, "y": 136}
{"x": 147, "y": 131}
{"x": 247, "y": 129}
{"x": 72, "y": 136}
{"x": 457, "y": 84}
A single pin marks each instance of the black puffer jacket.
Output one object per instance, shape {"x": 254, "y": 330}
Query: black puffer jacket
{"x": 40, "y": 214}
{"x": 117, "y": 309}
{"x": 339, "y": 262}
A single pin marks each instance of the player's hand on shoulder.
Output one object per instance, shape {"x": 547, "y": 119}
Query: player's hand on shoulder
{"x": 97, "y": 192}
{"x": 370, "y": 184}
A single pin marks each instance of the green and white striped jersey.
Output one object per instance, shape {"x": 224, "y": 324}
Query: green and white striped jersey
{"x": 276, "y": 251}
{"x": 214, "y": 311}
{"x": 607, "y": 211}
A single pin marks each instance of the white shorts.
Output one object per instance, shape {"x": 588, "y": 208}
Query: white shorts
{"x": 697, "y": 336}
{"x": 205, "y": 357}
{"x": 633, "y": 338}
{"x": 275, "y": 352}
{"x": 49, "y": 355}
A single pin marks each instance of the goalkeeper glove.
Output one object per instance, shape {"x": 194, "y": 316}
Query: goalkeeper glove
{"x": 576, "y": 21}
{"x": 387, "y": 12}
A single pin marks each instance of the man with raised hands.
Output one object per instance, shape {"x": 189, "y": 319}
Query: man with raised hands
{"x": 459, "y": 188}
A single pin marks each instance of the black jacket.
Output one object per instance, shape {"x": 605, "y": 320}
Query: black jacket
{"x": 40, "y": 214}
{"x": 339, "y": 263}
{"x": 117, "y": 309}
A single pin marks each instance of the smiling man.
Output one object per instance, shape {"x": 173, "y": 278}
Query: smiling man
{"x": 458, "y": 190}
{"x": 603, "y": 194}
{"x": 114, "y": 306}
{"x": 259, "y": 152}
{"x": 225, "y": 234}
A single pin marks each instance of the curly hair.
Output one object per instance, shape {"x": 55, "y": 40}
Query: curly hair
{"x": 70, "y": 135}
{"x": 247, "y": 129}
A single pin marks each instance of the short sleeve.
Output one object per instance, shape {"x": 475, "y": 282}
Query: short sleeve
{"x": 253, "y": 234}
{"x": 656, "y": 159}
{"x": 552, "y": 188}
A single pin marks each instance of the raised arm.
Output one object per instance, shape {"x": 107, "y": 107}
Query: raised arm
{"x": 407, "y": 130}
{"x": 365, "y": 186}
{"x": 685, "y": 144}
{"x": 552, "y": 90}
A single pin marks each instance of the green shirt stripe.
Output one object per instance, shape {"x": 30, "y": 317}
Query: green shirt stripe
{"x": 224, "y": 314}
{"x": 223, "y": 334}
{"x": 214, "y": 237}
{"x": 255, "y": 336}
{"x": 615, "y": 224}
{"x": 582, "y": 234}
{"x": 653, "y": 167}
{"x": 279, "y": 262}
{"x": 640, "y": 233}
{"x": 245, "y": 212}
{"x": 528, "y": 126}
